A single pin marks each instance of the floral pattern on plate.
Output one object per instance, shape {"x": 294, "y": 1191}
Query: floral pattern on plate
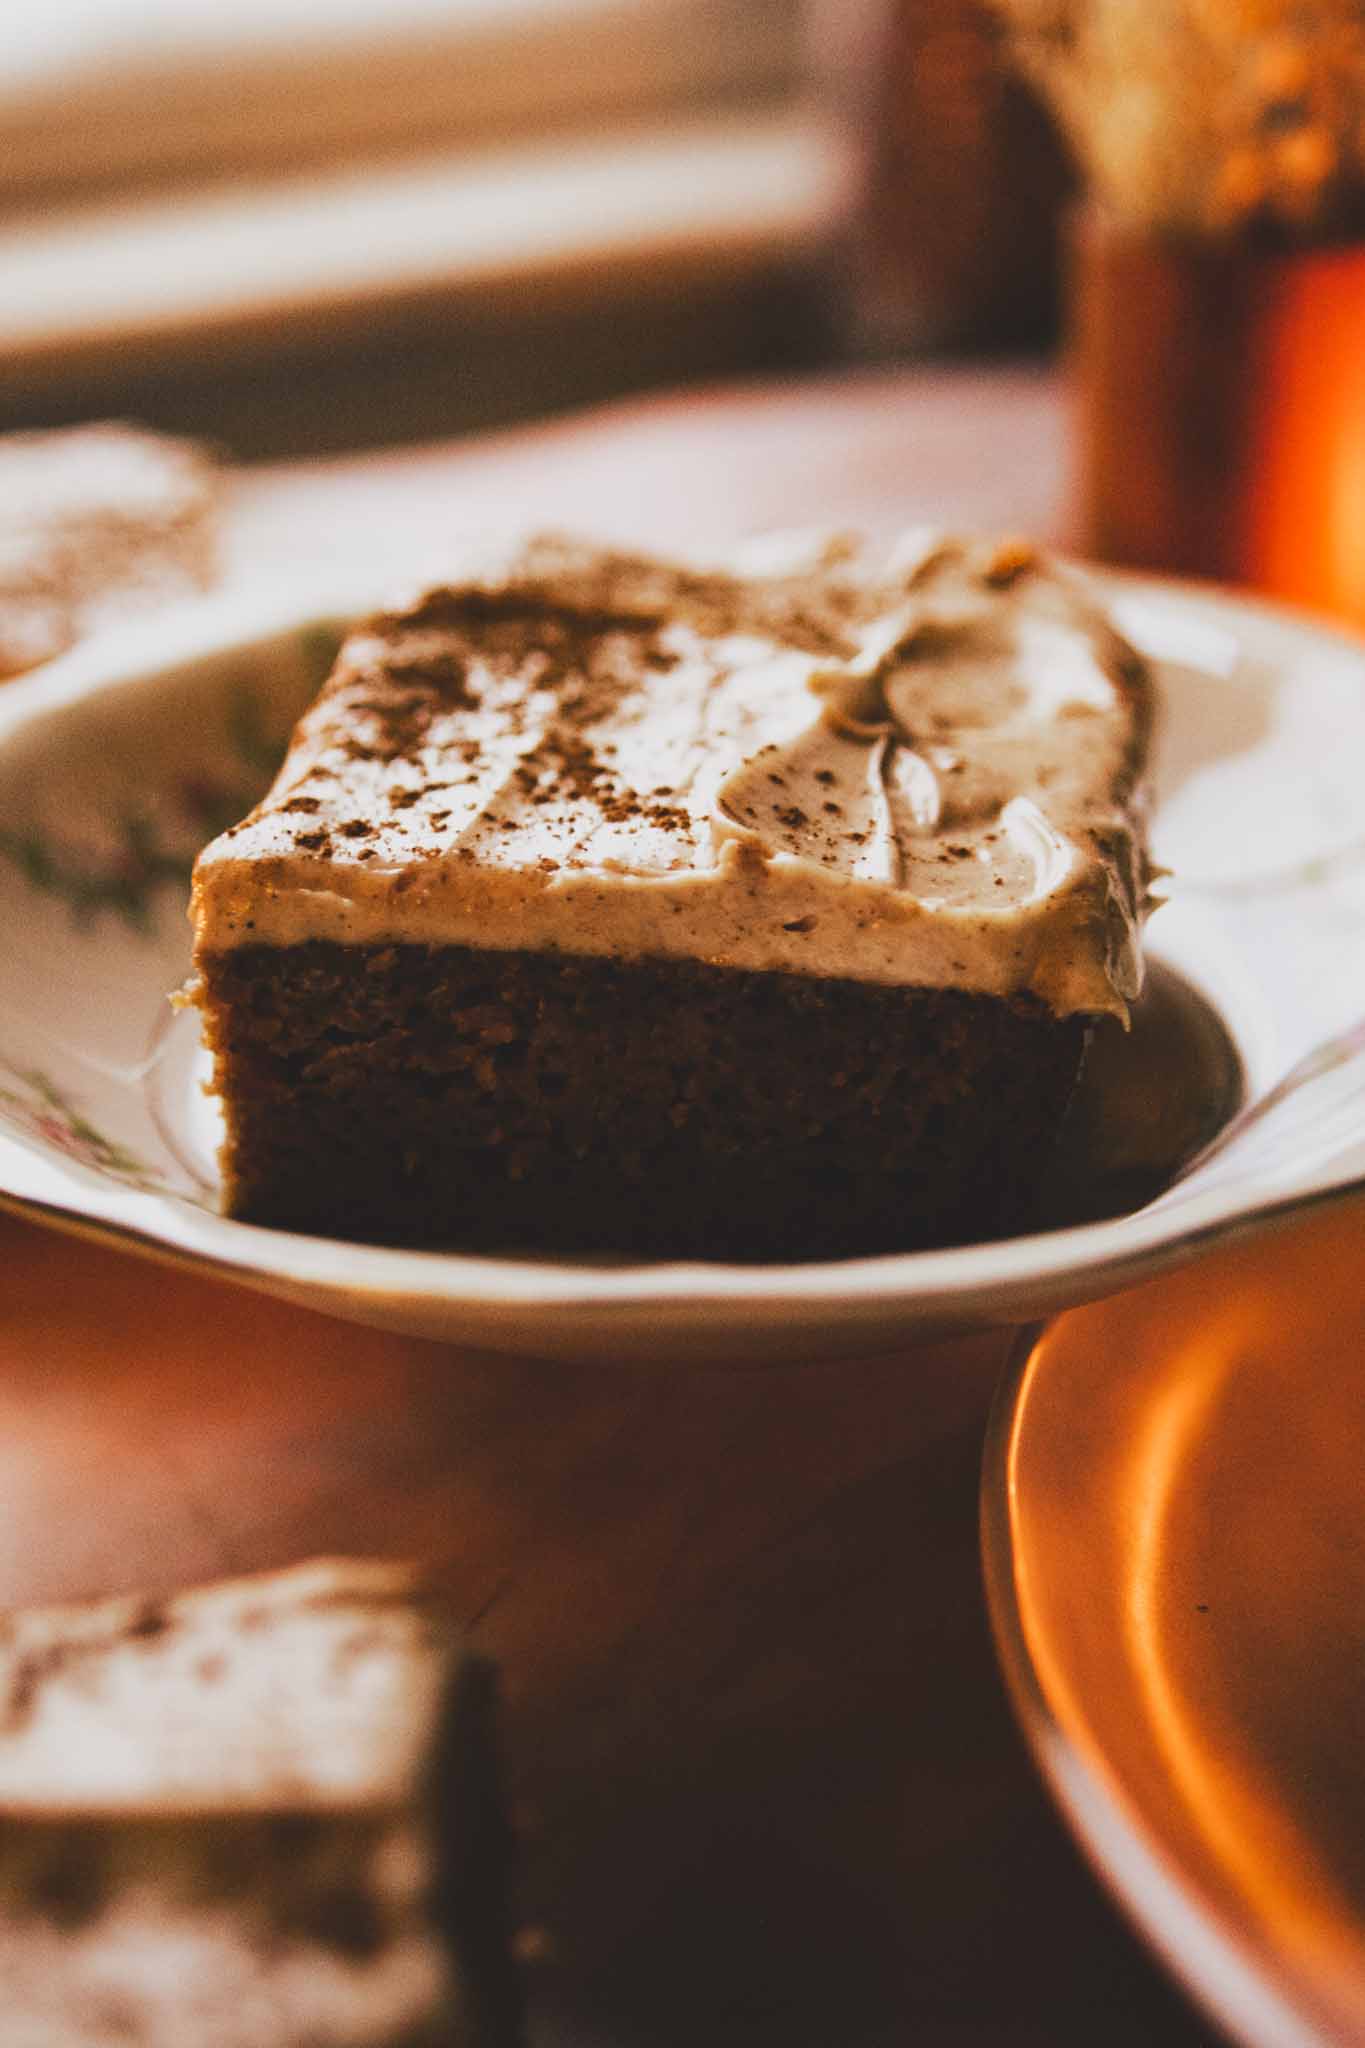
{"x": 32, "y": 1103}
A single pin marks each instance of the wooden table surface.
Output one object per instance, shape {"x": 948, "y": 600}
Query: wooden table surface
{"x": 768, "y": 1784}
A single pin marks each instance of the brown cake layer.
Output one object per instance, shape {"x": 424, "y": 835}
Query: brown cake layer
{"x": 444, "y": 1095}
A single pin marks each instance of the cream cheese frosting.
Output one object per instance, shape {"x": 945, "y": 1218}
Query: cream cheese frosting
{"x": 920, "y": 767}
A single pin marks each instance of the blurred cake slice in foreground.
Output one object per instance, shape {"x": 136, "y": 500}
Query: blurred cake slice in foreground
{"x": 257, "y": 1815}
{"x": 97, "y": 524}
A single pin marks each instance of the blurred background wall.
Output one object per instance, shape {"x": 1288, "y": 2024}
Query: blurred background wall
{"x": 316, "y": 224}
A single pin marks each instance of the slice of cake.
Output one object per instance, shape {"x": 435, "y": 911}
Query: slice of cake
{"x": 604, "y": 904}
{"x": 97, "y": 524}
{"x": 257, "y": 1814}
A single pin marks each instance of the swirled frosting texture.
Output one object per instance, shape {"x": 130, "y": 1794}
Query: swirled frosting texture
{"x": 921, "y": 768}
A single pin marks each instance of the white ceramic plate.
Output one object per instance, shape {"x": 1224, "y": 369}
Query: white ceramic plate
{"x": 1174, "y": 1539}
{"x": 117, "y": 762}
